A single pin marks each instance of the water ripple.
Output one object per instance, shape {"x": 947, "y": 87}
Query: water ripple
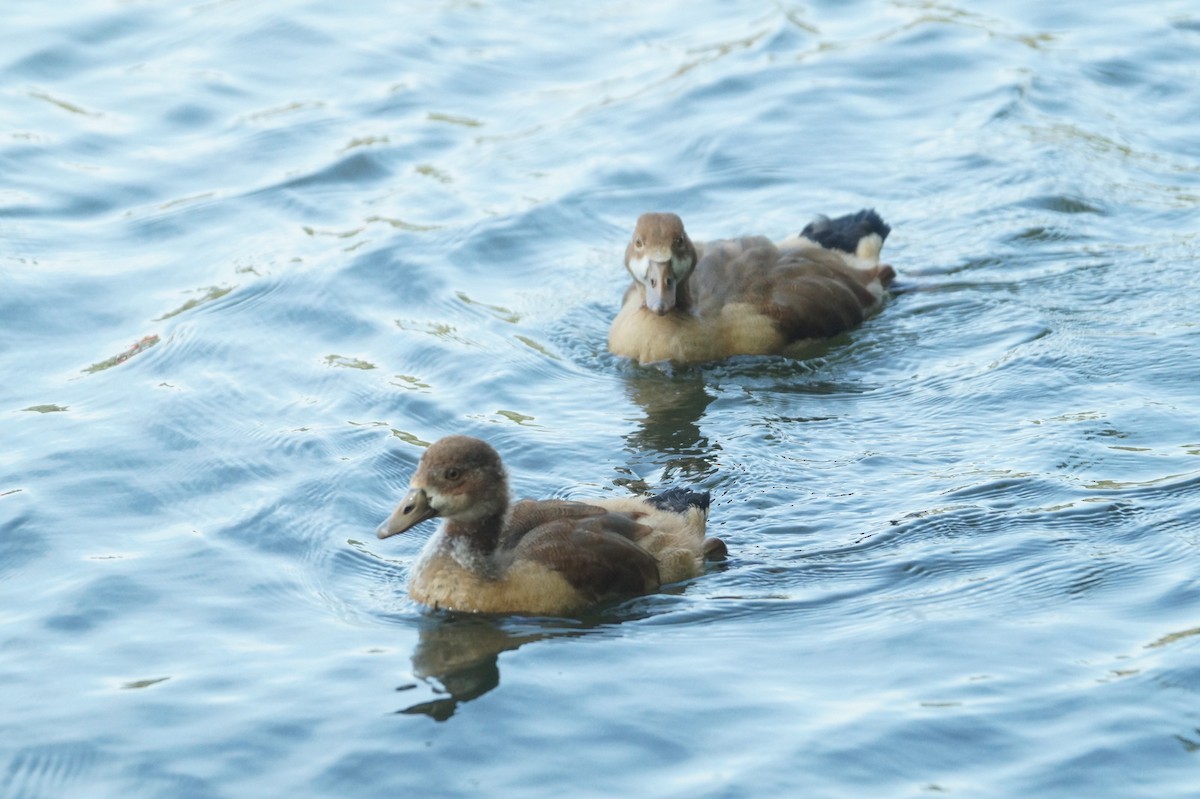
{"x": 962, "y": 535}
{"x": 50, "y": 769}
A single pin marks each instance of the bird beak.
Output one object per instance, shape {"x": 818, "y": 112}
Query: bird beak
{"x": 660, "y": 287}
{"x": 411, "y": 511}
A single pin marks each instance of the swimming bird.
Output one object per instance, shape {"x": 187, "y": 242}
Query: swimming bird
{"x": 540, "y": 557}
{"x": 692, "y": 302}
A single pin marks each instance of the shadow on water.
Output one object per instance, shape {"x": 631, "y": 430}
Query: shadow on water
{"x": 457, "y": 655}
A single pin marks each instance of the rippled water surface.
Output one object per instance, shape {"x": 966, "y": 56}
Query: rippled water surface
{"x": 254, "y": 256}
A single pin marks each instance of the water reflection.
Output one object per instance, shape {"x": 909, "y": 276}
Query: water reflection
{"x": 458, "y": 656}
{"x": 669, "y": 435}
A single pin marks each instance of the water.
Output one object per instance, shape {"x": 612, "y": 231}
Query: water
{"x": 253, "y": 257}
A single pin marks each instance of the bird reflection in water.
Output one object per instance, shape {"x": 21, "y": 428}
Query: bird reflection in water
{"x": 457, "y": 655}
{"x": 669, "y": 437}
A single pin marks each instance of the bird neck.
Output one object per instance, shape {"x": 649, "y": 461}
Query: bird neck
{"x": 480, "y": 533}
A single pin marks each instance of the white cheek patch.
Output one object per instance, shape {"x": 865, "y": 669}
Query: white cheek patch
{"x": 435, "y": 501}
{"x": 447, "y": 505}
{"x": 640, "y": 267}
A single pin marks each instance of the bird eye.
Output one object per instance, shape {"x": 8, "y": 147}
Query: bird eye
{"x": 452, "y": 474}
{"x": 679, "y": 242}
{"x": 638, "y": 242}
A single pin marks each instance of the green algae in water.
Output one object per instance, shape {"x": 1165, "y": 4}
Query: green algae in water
{"x": 141, "y": 346}
{"x": 46, "y": 408}
{"x": 348, "y": 363}
{"x": 213, "y": 293}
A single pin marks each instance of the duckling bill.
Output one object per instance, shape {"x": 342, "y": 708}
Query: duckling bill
{"x": 540, "y": 557}
{"x": 692, "y": 302}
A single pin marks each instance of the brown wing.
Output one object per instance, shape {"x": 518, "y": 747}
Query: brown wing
{"x": 735, "y": 270}
{"x": 596, "y": 553}
{"x": 812, "y": 299}
{"x": 529, "y": 513}
{"x": 809, "y": 293}
{"x": 725, "y": 251}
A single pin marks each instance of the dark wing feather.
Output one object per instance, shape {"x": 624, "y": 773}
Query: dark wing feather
{"x": 596, "y": 554}
{"x": 530, "y": 513}
{"x": 844, "y": 232}
{"x": 811, "y": 299}
{"x": 680, "y": 500}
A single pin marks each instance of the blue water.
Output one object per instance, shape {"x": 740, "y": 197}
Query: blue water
{"x": 253, "y": 257}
